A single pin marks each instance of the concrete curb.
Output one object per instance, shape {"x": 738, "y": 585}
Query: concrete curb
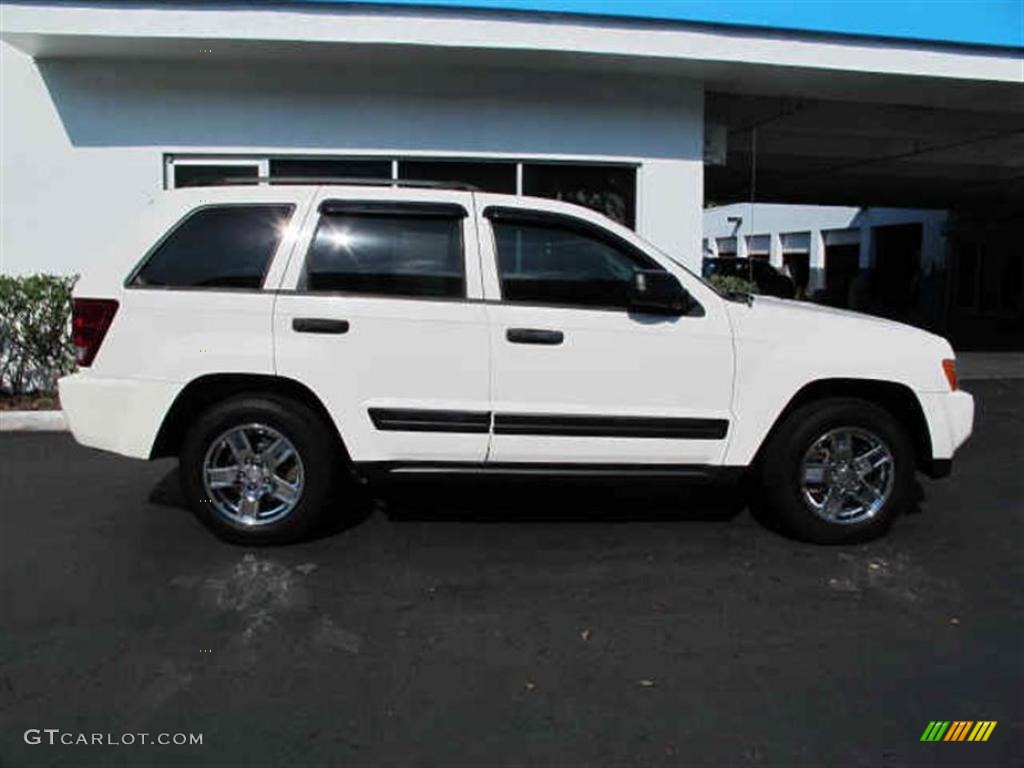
{"x": 32, "y": 421}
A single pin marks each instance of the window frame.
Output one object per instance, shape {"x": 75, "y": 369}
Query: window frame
{"x": 544, "y": 218}
{"x": 396, "y": 159}
{"x": 129, "y": 283}
{"x": 385, "y": 208}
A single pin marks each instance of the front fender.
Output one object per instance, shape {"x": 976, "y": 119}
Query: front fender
{"x": 786, "y": 347}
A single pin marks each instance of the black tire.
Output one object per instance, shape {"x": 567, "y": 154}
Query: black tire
{"x": 781, "y": 469}
{"x": 312, "y": 440}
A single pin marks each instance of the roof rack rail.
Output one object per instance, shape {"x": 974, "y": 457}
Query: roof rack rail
{"x": 347, "y": 181}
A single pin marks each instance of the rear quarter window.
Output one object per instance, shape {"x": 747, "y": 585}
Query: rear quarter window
{"x": 228, "y": 246}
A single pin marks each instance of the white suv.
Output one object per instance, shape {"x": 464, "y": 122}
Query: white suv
{"x": 272, "y": 334}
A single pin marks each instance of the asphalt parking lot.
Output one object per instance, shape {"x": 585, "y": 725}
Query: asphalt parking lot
{"x": 533, "y": 626}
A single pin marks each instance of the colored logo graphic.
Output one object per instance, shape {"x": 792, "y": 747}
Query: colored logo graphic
{"x": 958, "y": 730}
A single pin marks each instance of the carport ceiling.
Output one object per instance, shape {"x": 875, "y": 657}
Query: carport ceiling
{"x": 863, "y": 153}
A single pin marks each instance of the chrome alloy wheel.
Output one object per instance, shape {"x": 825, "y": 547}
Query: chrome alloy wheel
{"x": 253, "y": 475}
{"x": 847, "y": 475}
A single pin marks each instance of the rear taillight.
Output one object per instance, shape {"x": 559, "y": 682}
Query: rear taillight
{"x": 90, "y": 319}
{"x": 949, "y": 368}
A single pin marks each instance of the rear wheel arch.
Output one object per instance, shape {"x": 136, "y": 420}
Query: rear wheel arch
{"x": 202, "y": 393}
{"x": 897, "y": 399}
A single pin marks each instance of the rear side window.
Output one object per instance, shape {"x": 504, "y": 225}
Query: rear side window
{"x": 217, "y": 247}
{"x": 388, "y": 254}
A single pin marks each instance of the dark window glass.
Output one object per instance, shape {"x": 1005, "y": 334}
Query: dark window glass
{"x": 392, "y": 254}
{"x": 487, "y": 177}
{"x": 221, "y": 247}
{"x": 546, "y": 264}
{"x": 322, "y": 168}
{"x": 608, "y": 189}
{"x": 799, "y": 269}
{"x": 212, "y": 175}
{"x": 841, "y": 268}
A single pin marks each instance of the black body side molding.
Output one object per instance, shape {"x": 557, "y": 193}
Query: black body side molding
{"x": 415, "y": 420}
{"x": 427, "y": 420}
{"x": 610, "y": 426}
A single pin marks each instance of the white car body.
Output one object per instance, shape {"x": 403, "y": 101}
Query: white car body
{"x": 738, "y": 364}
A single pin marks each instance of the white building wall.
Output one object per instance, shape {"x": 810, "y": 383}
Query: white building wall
{"x": 82, "y": 141}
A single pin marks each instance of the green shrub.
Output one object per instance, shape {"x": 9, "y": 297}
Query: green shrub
{"x": 35, "y": 332}
{"x": 726, "y": 284}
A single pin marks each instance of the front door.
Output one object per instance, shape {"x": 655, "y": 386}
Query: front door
{"x": 380, "y": 316}
{"x": 577, "y": 376}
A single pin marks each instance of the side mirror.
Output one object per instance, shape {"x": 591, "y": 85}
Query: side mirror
{"x": 658, "y": 293}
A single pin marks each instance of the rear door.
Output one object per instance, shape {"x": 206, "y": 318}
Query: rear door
{"x": 380, "y": 315}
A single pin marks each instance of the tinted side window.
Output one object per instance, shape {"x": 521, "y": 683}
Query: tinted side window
{"x": 550, "y": 264}
{"x": 387, "y": 254}
{"x": 219, "y": 247}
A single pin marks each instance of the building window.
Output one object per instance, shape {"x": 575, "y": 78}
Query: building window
{"x": 542, "y": 263}
{"x": 322, "y": 168}
{"x": 607, "y": 189}
{"x": 486, "y": 176}
{"x": 226, "y": 246}
{"x": 212, "y": 175}
{"x": 387, "y": 254}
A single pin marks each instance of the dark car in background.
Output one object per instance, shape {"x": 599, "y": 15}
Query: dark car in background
{"x": 769, "y": 280}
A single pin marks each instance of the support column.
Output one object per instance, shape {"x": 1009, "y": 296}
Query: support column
{"x": 817, "y": 261}
{"x": 775, "y": 250}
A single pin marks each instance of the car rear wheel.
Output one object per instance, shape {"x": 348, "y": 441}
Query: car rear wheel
{"x": 258, "y": 469}
{"x": 838, "y": 471}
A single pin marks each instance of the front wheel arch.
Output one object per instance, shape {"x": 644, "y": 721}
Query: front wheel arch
{"x": 897, "y": 399}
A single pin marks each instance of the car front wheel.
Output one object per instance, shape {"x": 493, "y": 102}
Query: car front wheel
{"x": 838, "y": 471}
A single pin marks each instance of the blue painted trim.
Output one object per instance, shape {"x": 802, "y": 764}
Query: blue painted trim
{"x": 990, "y": 23}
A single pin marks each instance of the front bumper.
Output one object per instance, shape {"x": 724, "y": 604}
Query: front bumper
{"x": 950, "y": 417}
{"x": 118, "y": 415}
